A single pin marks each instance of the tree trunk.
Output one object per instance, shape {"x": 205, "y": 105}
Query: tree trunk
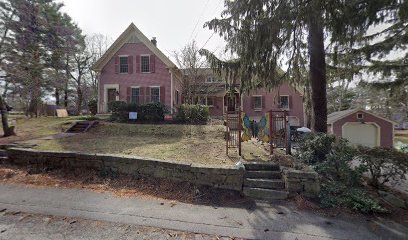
{"x": 57, "y": 97}
{"x": 66, "y": 95}
{"x": 8, "y": 131}
{"x": 79, "y": 100}
{"x": 318, "y": 72}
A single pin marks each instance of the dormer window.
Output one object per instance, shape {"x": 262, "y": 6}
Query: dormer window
{"x": 123, "y": 64}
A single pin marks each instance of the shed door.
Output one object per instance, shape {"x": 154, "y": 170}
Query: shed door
{"x": 363, "y": 134}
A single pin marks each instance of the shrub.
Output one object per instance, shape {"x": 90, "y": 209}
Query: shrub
{"x": 192, "y": 113}
{"x": 383, "y": 164}
{"x": 151, "y": 112}
{"x": 340, "y": 182}
{"x": 93, "y": 106}
{"x": 315, "y": 147}
{"x": 337, "y": 194}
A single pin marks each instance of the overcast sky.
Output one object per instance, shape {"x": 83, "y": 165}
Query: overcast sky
{"x": 174, "y": 23}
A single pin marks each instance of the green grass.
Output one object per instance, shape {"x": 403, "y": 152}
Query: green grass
{"x": 401, "y": 139}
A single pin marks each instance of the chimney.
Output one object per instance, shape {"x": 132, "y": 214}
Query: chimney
{"x": 154, "y": 41}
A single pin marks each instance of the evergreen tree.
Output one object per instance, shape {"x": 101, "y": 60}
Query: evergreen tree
{"x": 263, "y": 33}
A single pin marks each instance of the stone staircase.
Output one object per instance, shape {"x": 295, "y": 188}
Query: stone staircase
{"x": 81, "y": 127}
{"x": 263, "y": 181}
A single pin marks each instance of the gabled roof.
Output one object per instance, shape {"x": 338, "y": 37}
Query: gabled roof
{"x": 131, "y": 31}
{"x": 335, "y": 116}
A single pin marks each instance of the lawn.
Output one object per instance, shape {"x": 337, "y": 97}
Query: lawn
{"x": 401, "y": 136}
{"x": 32, "y": 128}
{"x": 202, "y": 144}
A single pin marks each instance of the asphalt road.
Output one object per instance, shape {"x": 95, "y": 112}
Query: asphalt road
{"x": 279, "y": 220}
{"x": 15, "y": 225}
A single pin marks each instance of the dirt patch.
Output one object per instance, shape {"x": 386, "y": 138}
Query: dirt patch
{"x": 122, "y": 185}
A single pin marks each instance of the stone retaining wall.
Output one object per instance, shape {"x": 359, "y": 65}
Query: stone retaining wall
{"x": 219, "y": 177}
{"x": 305, "y": 181}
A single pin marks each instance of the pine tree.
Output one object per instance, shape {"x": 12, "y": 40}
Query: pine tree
{"x": 263, "y": 33}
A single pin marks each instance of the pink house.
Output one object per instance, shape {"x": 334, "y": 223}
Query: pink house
{"x": 212, "y": 91}
{"x": 134, "y": 70}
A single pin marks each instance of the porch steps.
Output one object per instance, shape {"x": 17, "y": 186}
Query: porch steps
{"x": 263, "y": 181}
{"x": 81, "y": 127}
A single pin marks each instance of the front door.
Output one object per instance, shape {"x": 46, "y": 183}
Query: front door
{"x": 231, "y": 104}
{"x": 111, "y": 96}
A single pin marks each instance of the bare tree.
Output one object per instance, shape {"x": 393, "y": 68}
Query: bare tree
{"x": 194, "y": 67}
{"x": 96, "y": 46}
{"x": 81, "y": 65}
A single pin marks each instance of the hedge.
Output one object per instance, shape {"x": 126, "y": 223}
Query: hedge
{"x": 151, "y": 112}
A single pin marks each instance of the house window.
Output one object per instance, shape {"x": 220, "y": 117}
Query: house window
{"x": 123, "y": 64}
{"x": 201, "y": 100}
{"x": 155, "y": 94}
{"x": 213, "y": 80}
{"x": 145, "y": 64}
{"x": 360, "y": 116}
{"x": 257, "y": 102}
{"x": 210, "y": 101}
{"x": 135, "y": 95}
{"x": 284, "y": 102}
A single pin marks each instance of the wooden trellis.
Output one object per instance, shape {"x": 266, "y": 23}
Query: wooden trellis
{"x": 233, "y": 131}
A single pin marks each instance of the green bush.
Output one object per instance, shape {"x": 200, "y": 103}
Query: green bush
{"x": 340, "y": 182}
{"x": 93, "y": 106}
{"x": 151, "y": 112}
{"x": 337, "y": 194}
{"x": 187, "y": 113}
{"x": 383, "y": 164}
{"x": 315, "y": 147}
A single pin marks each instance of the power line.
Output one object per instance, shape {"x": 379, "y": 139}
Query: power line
{"x": 215, "y": 9}
{"x": 198, "y": 20}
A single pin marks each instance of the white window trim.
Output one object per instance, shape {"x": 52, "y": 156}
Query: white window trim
{"x": 127, "y": 56}
{"x": 145, "y": 55}
{"x": 206, "y": 101}
{"x": 257, "y": 109}
{"x": 284, "y": 108}
{"x": 131, "y": 95}
{"x": 362, "y": 116}
{"x": 150, "y": 88}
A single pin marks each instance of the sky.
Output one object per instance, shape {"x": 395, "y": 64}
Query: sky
{"x": 174, "y": 23}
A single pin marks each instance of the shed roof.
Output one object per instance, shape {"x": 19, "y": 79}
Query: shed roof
{"x": 335, "y": 116}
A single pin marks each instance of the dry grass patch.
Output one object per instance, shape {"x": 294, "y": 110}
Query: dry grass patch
{"x": 201, "y": 144}
{"x": 32, "y": 128}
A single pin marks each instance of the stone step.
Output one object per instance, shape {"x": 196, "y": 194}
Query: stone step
{"x": 265, "y": 194}
{"x": 263, "y": 174}
{"x": 264, "y": 183}
{"x": 262, "y": 166}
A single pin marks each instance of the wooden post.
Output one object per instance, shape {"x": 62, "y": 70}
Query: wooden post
{"x": 270, "y": 133}
{"x": 227, "y": 131}
{"x": 239, "y": 132}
